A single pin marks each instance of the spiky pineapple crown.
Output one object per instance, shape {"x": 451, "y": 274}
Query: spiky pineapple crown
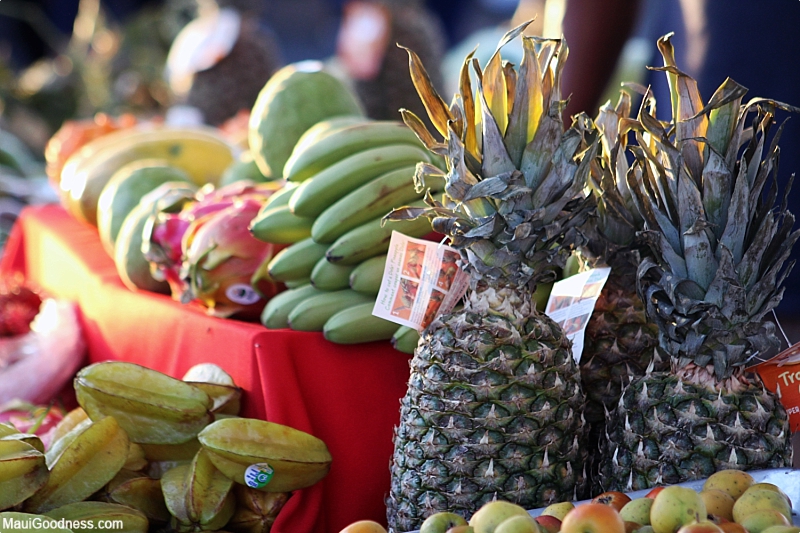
{"x": 720, "y": 245}
{"x": 612, "y": 233}
{"x": 513, "y": 199}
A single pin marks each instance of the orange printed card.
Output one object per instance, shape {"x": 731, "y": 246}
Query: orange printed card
{"x": 781, "y": 375}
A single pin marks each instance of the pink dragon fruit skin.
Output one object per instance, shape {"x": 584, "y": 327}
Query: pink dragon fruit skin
{"x": 163, "y": 243}
{"x": 220, "y": 258}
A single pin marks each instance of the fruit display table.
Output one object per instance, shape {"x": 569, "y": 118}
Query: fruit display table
{"x": 348, "y": 396}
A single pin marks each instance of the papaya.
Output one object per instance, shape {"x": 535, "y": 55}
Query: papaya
{"x": 295, "y": 98}
{"x": 199, "y": 151}
{"x": 124, "y": 190}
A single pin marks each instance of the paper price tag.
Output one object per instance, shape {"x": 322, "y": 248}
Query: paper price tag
{"x": 421, "y": 280}
{"x": 571, "y": 304}
{"x": 781, "y": 375}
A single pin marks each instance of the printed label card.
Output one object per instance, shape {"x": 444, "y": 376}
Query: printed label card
{"x": 571, "y": 303}
{"x": 421, "y": 280}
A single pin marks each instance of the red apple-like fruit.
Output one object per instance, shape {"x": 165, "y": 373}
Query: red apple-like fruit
{"x": 550, "y": 524}
{"x": 732, "y": 527}
{"x": 615, "y": 499}
{"x": 593, "y": 518}
{"x": 654, "y": 492}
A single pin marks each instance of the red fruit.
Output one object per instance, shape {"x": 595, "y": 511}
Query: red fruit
{"x": 550, "y": 524}
{"x": 593, "y": 518}
{"x": 653, "y": 493}
{"x": 615, "y": 499}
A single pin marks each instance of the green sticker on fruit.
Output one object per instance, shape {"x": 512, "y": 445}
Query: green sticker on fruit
{"x": 258, "y": 475}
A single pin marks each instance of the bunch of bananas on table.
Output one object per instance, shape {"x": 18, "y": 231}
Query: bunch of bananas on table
{"x": 343, "y": 176}
{"x": 154, "y": 451}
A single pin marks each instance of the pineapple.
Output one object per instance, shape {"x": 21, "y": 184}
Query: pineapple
{"x": 619, "y": 342}
{"x": 719, "y": 247}
{"x": 494, "y": 402}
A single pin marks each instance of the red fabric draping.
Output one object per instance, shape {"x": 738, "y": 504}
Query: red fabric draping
{"x": 348, "y": 396}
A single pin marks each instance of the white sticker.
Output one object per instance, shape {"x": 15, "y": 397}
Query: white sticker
{"x": 258, "y": 475}
{"x": 571, "y": 304}
{"x": 242, "y": 294}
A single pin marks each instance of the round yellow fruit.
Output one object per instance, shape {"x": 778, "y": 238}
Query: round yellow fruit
{"x": 757, "y": 499}
{"x": 718, "y": 503}
{"x": 734, "y": 482}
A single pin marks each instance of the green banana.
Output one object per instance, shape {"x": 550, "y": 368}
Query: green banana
{"x": 279, "y": 225}
{"x": 330, "y": 277}
{"x": 335, "y": 181}
{"x": 323, "y": 129}
{"x": 90, "y": 461}
{"x": 276, "y": 313}
{"x": 23, "y": 471}
{"x": 286, "y": 459}
{"x": 405, "y": 339}
{"x": 373, "y": 199}
{"x": 310, "y": 158}
{"x": 367, "y": 276}
{"x": 281, "y": 196}
{"x": 295, "y": 283}
{"x": 357, "y": 324}
{"x": 152, "y": 407}
{"x": 94, "y": 516}
{"x": 372, "y": 238}
{"x": 198, "y": 496}
{"x": 312, "y": 313}
{"x": 296, "y": 261}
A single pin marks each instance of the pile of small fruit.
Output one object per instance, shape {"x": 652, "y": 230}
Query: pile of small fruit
{"x": 154, "y": 451}
{"x": 730, "y": 502}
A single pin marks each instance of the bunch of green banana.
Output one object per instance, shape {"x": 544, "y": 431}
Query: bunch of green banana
{"x": 341, "y": 182}
{"x": 100, "y": 468}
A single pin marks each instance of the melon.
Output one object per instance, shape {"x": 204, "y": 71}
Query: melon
{"x": 295, "y": 98}
{"x": 125, "y": 189}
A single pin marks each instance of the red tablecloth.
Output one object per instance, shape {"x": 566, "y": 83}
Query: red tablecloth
{"x": 348, "y": 396}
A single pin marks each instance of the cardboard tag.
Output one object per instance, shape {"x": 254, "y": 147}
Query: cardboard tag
{"x": 363, "y": 38}
{"x": 572, "y": 301}
{"x": 781, "y": 375}
{"x": 421, "y": 280}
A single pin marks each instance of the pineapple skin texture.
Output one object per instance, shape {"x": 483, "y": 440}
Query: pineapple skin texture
{"x": 667, "y": 430}
{"x": 492, "y": 410}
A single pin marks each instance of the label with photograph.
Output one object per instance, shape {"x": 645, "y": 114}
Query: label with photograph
{"x": 572, "y": 301}
{"x": 421, "y": 280}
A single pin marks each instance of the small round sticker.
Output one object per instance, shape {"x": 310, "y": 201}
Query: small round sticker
{"x": 258, "y": 475}
{"x": 242, "y": 294}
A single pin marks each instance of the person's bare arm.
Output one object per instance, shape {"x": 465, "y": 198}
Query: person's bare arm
{"x": 596, "y": 31}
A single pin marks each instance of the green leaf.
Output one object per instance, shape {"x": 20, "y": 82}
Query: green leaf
{"x": 738, "y": 216}
{"x": 701, "y": 265}
{"x": 724, "y": 105}
{"x": 716, "y": 191}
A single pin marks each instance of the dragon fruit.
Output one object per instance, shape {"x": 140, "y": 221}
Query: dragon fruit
{"x": 164, "y": 235}
{"x": 220, "y": 259}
